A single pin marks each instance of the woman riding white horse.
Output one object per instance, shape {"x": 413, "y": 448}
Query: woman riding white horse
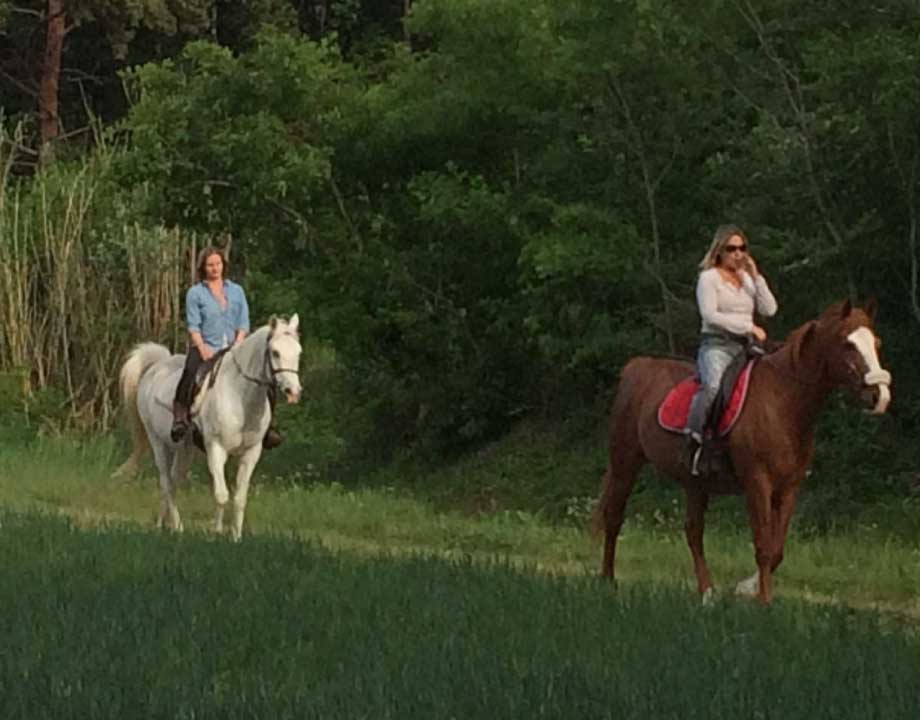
{"x": 231, "y": 411}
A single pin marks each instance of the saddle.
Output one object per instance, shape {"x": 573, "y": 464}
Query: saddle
{"x": 675, "y": 408}
{"x": 206, "y": 373}
{"x": 674, "y": 411}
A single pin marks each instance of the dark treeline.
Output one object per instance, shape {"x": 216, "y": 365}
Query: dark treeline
{"x": 486, "y": 206}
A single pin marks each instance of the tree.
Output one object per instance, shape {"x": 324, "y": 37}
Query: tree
{"x": 61, "y": 21}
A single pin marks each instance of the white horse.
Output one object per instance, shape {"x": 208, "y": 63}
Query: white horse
{"x": 231, "y": 410}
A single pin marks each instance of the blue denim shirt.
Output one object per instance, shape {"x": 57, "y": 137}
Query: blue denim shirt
{"x": 218, "y": 326}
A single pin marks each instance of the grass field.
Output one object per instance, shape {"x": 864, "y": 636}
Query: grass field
{"x": 113, "y": 622}
{"x": 369, "y": 599}
{"x": 866, "y": 568}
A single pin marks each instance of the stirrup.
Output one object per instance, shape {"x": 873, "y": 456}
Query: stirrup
{"x": 695, "y": 461}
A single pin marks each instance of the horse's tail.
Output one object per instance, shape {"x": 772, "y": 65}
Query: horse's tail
{"x": 139, "y": 360}
{"x": 625, "y": 455}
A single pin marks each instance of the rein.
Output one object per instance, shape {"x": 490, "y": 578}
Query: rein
{"x": 768, "y": 359}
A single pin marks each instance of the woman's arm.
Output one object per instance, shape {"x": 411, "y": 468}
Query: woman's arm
{"x": 763, "y": 298}
{"x": 766, "y": 303}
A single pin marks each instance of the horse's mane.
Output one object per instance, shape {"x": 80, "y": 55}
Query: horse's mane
{"x": 263, "y": 330}
{"x": 793, "y": 336}
{"x": 831, "y": 312}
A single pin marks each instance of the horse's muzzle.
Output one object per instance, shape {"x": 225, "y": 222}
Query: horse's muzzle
{"x": 292, "y": 396}
{"x": 876, "y": 392}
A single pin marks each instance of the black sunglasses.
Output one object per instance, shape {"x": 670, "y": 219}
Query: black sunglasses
{"x": 735, "y": 248}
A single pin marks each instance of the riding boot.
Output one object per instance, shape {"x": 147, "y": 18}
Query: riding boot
{"x": 180, "y": 421}
{"x": 272, "y": 438}
{"x": 184, "y": 394}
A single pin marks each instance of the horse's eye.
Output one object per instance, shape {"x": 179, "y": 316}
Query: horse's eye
{"x": 275, "y": 354}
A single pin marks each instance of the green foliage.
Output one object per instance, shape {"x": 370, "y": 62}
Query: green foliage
{"x": 121, "y": 20}
{"x": 486, "y": 217}
{"x": 230, "y": 142}
{"x": 579, "y": 282}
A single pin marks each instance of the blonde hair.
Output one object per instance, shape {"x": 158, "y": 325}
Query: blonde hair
{"x": 713, "y": 256}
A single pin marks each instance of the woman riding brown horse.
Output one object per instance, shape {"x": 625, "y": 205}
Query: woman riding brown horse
{"x": 770, "y": 446}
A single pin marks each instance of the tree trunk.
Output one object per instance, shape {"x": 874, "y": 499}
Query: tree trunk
{"x": 407, "y": 6}
{"x": 50, "y": 79}
{"x": 637, "y": 146}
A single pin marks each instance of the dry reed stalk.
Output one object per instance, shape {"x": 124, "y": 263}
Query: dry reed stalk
{"x": 76, "y": 293}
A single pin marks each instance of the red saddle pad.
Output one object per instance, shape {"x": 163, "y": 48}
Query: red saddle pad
{"x": 674, "y": 409}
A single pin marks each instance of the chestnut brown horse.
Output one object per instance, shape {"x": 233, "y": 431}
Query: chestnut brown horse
{"x": 770, "y": 446}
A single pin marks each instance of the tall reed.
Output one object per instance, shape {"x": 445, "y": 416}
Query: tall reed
{"x": 82, "y": 278}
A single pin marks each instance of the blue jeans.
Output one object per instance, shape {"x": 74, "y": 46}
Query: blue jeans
{"x": 714, "y": 356}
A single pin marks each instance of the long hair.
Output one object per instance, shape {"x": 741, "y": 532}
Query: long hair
{"x": 203, "y": 258}
{"x": 713, "y": 256}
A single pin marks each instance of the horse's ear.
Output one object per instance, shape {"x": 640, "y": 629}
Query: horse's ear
{"x": 846, "y": 309}
{"x": 294, "y": 322}
{"x": 871, "y": 308}
{"x": 273, "y": 323}
{"x": 802, "y": 343}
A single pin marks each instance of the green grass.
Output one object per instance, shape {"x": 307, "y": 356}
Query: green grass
{"x": 112, "y": 622}
{"x": 863, "y": 567}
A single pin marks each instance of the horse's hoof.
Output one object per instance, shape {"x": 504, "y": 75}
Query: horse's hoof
{"x": 748, "y": 586}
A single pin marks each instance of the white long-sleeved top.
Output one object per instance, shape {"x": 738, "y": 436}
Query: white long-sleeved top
{"x": 725, "y": 308}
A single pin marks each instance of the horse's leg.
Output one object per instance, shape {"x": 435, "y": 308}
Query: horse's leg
{"x": 180, "y": 465}
{"x": 247, "y": 464}
{"x": 618, "y": 484}
{"x": 217, "y": 459}
{"x": 782, "y": 515}
{"x": 163, "y": 458}
{"x": 697, "y": 502}
{"x": 760, "y": 517}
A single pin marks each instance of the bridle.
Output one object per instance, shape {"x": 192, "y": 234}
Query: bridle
{"x": 272, "y": 371}
{"x": 871, "y": 378}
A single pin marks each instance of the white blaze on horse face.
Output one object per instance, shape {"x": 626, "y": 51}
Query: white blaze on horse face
{"x": 864, "y": 340}
{"x": 286, "y": 367}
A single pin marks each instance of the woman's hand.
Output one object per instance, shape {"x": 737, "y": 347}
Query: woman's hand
{"x": 206, "y": 352}
{"x": 750, "y": 266}
{"x": 760, "y": 335}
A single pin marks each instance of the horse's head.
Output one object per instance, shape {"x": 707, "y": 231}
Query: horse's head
{"x": 284, "y": 356}
{"x": 844, "y": 339}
